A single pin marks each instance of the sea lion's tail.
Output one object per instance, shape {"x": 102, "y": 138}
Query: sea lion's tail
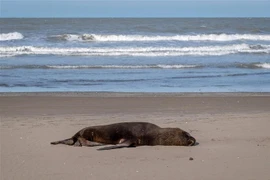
{"x": 69, "y": 141}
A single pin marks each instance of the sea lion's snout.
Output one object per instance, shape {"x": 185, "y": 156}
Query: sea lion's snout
{"x": 191, "y": 141}
{"x": 188, "y": 139}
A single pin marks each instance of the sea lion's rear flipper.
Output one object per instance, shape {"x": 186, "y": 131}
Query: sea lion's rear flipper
{"x": 69, "y": 141}
{"x": 123, "y": 143}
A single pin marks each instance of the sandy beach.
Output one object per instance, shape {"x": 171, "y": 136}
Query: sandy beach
{"x": 232, "y": 130}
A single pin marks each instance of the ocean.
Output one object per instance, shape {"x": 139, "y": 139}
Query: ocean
{"x": 135, "y": 55}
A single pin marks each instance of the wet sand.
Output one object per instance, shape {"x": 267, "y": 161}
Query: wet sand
{"x": 232, "y": 130}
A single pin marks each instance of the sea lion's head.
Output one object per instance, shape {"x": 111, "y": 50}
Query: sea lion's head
{"x": 176, "y": 137}
{"x": 186, "y": 139}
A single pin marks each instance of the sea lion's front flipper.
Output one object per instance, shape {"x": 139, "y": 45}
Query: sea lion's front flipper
{"x": 91, "y": 143}
{"x": 83, "y": 142}
{"x": 122, "y": 144}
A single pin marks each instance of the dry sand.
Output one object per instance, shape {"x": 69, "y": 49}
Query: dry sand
{"x": 233, "y": 131}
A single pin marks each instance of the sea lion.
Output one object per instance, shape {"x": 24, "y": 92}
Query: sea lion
{"x": 129, "y": 134}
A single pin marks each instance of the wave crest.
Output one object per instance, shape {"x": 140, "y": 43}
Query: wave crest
{"x": 74, "y": 37}
{"x": 199, "y": 37}
{"x": 254, "y": 65}
{"x": 136, "y": 51}
{"x": 153, "y": 66}
{"x": 263, "y": 65}
{"x": 10, "y": 36}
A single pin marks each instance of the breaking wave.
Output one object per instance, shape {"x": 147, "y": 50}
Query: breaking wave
{"x": 199, "y": 37}
{"x": 136, "y": 51}
{"x": 10, "y": 36}
{"x": 73, "y": 37}
{"x": 146, "y": 66}
{"x": 263, "y": 65}
{"x": 255, "y": 65}
{"x": 154, "y": 66}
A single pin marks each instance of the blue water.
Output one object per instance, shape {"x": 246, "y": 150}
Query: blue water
{"x": 135, "y": 55}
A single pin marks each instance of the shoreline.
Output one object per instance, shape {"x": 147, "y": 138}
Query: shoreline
{"x": 138, "y": 94}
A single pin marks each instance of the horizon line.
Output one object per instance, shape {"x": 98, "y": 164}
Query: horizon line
{"x": 131, "y": 17}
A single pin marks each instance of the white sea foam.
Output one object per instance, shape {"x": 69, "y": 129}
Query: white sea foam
{"x": 10, "y": 36}
{"x": 6, "y": 55}
{"x": 263, "y": 65}
{"x": 136, "y": 51}
{"x": 158, "y": 66}
{"x": 199, "y": 37}
{"x": 176, "y": 66}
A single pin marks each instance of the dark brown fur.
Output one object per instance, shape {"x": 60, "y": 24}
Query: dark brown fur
{"x": 129, "y": 134}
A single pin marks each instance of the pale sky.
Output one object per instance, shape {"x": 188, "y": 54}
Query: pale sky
{"x": 134, "y": 8}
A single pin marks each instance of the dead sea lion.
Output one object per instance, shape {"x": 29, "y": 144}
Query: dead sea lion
{"x": 129, "y": 134}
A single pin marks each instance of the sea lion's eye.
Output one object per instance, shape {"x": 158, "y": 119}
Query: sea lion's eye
{"x": 186, "y": 134}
